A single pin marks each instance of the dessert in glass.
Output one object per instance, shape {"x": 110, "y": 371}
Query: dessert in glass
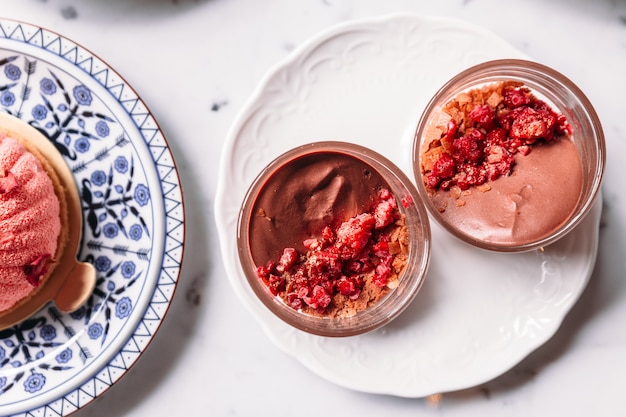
{"x": 333, "y": 239}
{"x": 509, "y": 155}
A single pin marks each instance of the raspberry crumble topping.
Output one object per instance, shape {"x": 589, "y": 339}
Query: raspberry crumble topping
{"x": 346, "y": 268}
{"x": 485, "y": 128}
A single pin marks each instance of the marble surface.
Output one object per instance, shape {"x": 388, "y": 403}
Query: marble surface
{"x": 210, "y": 357}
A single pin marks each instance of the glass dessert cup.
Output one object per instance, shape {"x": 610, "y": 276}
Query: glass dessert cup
{"x": 564, "y": 97}
{"x": 409, "y": 281}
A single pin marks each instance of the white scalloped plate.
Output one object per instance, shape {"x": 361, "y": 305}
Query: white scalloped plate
{"x": 478, "y": 313}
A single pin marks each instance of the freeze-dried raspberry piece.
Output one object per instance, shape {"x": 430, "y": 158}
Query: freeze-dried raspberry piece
{"x": 294, "y": 301}
{"x": 451, "y": 130}
{"x": 384, "y": 213}
{"x": 483, "y": 116}
{"x": 484, "y": 135}
{"x": 469, "y": 148}
{"x": 287, "y": 259}
{"x": 444, "y": 168}
{"x": 264, "y": 270}
{"x": 337, "y": 262}
{"x": 531, "y": 125}
{"x": 497, "y": 137}
{"x": 383, "y": 271}
{"x": 319, "y": 298}
{"x": 353, "y": 234}
{"x": 37, "y": 269}
{"x": 515, "y": 98}
{"x": 324, "y": 262}
{"x": 275, "y": 283}
{"x": 350, "y": 286}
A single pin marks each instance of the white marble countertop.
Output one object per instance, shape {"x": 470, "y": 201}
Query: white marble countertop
{"x": 210, "y": 356}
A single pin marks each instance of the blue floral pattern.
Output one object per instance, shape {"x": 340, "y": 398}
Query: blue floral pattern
{"x": 114, "y": 166}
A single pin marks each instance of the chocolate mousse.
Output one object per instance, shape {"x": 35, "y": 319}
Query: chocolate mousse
{"x": 500, "y": 165}
{"x": 326, "y": 234}
{"x": 307, "y": 194}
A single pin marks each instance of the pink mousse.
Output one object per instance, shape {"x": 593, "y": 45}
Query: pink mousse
{"x": 29, "y": 222}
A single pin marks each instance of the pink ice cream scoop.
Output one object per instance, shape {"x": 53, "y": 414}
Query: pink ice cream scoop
{"x": 30, "y": 222}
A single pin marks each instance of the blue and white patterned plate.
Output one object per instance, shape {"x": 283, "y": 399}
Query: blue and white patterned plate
{"x": 133, "y": 223}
